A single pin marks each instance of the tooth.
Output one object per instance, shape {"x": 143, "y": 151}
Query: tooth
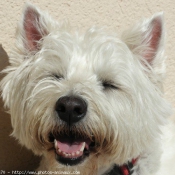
{"x": 55, "y": 143}
{"x": 63, "y": 153}
{"x": 82, "y": 148}
{"x": 66, "y": 155}
{"x": 59, "y": 150}
{"x": 73, "y": 154}
{"x": 77, "y": 153}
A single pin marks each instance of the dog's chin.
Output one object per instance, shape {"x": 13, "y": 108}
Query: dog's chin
{"x": 71, "y": 149}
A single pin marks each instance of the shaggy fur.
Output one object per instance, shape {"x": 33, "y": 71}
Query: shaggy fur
{"x": 119, "y": 79}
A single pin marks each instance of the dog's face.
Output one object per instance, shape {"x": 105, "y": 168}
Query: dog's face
{"x": 87, "y": 99}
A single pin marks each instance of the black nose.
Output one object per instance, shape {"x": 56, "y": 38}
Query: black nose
{"x": 71, "y": 109}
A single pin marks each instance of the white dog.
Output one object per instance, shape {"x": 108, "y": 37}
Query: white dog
{"x": 92, "y": 102}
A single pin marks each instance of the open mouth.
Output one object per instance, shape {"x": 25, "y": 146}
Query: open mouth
{"x": 72, "y": 149}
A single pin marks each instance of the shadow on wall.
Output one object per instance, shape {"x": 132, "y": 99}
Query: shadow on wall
{"x": 12, "y": 155}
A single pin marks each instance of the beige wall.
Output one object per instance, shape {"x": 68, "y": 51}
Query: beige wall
{"x": 115, "y": 14}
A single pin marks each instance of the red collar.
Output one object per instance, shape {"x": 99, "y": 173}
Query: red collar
{"x": 125, "y": 169}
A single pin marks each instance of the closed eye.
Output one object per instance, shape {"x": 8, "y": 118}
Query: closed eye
{"x": 58, "y": 77}
{"x": 109, "y": 85}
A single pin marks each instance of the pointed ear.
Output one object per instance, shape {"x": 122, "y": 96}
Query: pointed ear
{"x": 32, "y": 28}
{"x": 146, "y": 39}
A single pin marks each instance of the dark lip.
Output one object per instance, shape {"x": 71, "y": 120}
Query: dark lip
{"x": 69, "y": 138}
{"x": 71, "y": 161}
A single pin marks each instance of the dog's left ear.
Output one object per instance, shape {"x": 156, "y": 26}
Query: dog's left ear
{"x": 146, "y": 40}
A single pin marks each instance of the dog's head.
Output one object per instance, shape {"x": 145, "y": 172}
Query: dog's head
{"x": 85, "y": 99}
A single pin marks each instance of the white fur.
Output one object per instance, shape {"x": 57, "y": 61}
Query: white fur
{"x": 126, "y": 122}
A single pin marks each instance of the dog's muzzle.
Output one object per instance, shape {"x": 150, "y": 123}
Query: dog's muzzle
{"x": 71, "y": 146}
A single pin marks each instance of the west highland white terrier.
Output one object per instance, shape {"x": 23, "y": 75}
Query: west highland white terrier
{"x": 92, "y": 102}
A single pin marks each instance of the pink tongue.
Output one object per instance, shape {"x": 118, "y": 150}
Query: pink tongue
{"x": 69, "y": 147}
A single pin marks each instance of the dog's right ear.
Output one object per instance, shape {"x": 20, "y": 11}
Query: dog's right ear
{"x": 33, "y": 27}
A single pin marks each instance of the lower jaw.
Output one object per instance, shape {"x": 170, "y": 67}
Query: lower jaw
{"x": 70, "y": 161}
